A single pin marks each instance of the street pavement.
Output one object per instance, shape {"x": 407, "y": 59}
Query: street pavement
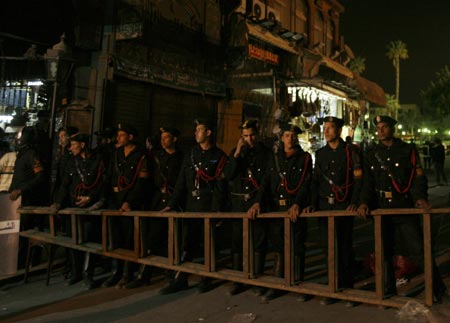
{"x": 36, "y": 302}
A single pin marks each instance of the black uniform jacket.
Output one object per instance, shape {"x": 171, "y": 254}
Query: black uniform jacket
{"x": 393, "y": 176}
{"x": 83, "y": 177}
{"x": 129, "y": 177}
{"x": 165, "y": 169}
{"x": 201, "y": 185}
{"x": 287, "y": 180}
{"x": 337, "y": 177}
{"x": 245, "y": 175}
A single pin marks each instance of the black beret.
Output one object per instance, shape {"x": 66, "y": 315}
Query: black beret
{"x": 249, "y": 124}
{"x": 391, "y": 122}
{"x": 337, "y": 121}
{"x": 70, "y": 130}
{"x": 209, "y": 124}
{"x": 173, "y": 131}
{"x": 107, "y": 132}
{"x": 129, "y": 129}
{"x": 284, "y": 126}
{"x": 80, "y": 137}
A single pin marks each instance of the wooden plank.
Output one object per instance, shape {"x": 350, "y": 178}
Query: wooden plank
{"x": 332, "y": 262}
{"x": 136, "y": 236}
{"x": 51, "y": 221}
{"x": 428, "y": 259}
{"x": 287, "y": 252}
{"x": 170, "y": 241}
{"x": 245, "y": 247}
{"x": 79, "y": 224}
{"x": 73, "y": 226}
{"x": 379, "y": 259}
{"x": 176, "y": 241}
{"x": 207, "y": 243}
{"x": 105, "y": 233}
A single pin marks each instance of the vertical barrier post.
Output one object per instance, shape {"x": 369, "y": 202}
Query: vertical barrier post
{"x": 332, "y": 261}
{"x": 246, "y": 255}
{"x": 287, "y": 252}
{"x": 170, "y": 240}
{"x": 136, "y": 235}
{"x": 428, "y": 259}
{"x": 104, "y": 232}
{"x": 207, "y": 235}
{"x": 379, "y": 258}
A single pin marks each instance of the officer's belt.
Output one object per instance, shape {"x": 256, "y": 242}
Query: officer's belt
{"x": 385, "y": 194}
{"x": 244, "y": 196}
{"x": 284, "y": 202}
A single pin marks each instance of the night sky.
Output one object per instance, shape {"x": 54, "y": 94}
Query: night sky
{"x": 369, "y": 25}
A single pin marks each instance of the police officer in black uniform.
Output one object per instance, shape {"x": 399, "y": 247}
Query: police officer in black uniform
{"x": 165, "y": 168}
{"x": 245, "y": 170}
{"x": 394, "y": 178}
{"x": 287, "y": 183}
{"x": 336, "y": 184}
{"x": 201, "y": 187}
{"x": 129, "y": 175}
{"x": 83, "y": 186}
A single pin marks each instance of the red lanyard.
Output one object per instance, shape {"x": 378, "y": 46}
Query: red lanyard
{"x": 411, "y": 177}
{"x": 285, "y": 183}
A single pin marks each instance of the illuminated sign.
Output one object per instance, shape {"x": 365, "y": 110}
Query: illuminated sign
{"x": 262, "y": 54}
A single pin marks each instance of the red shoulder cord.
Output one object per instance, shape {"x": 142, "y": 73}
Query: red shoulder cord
{"x": 201, "y": 174}
{"x": 122, "y": 181}
{"x": 411, "y": 177}
{"x": 84, "y": 187}
{"x": 252, "y": 181}
{"x": 337, "y": 189}
{"x": 285, "y": 183}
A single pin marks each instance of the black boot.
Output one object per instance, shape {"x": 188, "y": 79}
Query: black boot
{"x": 75, "y": 267}
{"x": 116, "y": 274}
{"x": 88, "y": 271}
{"x": 179, "y": 283}
{"x": 278, "y": 272}
{"x": 126, "y": 276}
{"x": 299, "y": 275}
{"x": 260, "y": 261}
{"x": 237, "y": 288}
{"x": 142, "y": 278}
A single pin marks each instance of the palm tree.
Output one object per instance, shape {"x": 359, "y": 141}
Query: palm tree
{"x": 396, "y": 50}
{"x": 358, "y": 65}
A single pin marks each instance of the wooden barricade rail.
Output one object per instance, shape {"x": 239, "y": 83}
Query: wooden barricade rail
{"x": 246, "y": 276}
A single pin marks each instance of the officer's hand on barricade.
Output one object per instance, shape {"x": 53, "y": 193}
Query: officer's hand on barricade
{"x": 423, "y": 204}
{"x": 253, "y": 212}
{"x": 352, "y": 207}
{"x": 96, "y": 205}
{"x": 166, "y": 209}
{"x": 54, "y": 208}
{"x": 294, "y": 212}
{"x": 363, "y": 211}
{"x": 82, "y": 201}
{"x": 125, "y": 207}
{"x": 309, "y": 209}
{"x": 15, "y": 194}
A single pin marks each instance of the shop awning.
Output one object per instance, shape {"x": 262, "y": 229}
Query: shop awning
{"x": 265, "y": 35}
{"x": 370, "y": 90}
{"x": 314, "y": 60}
